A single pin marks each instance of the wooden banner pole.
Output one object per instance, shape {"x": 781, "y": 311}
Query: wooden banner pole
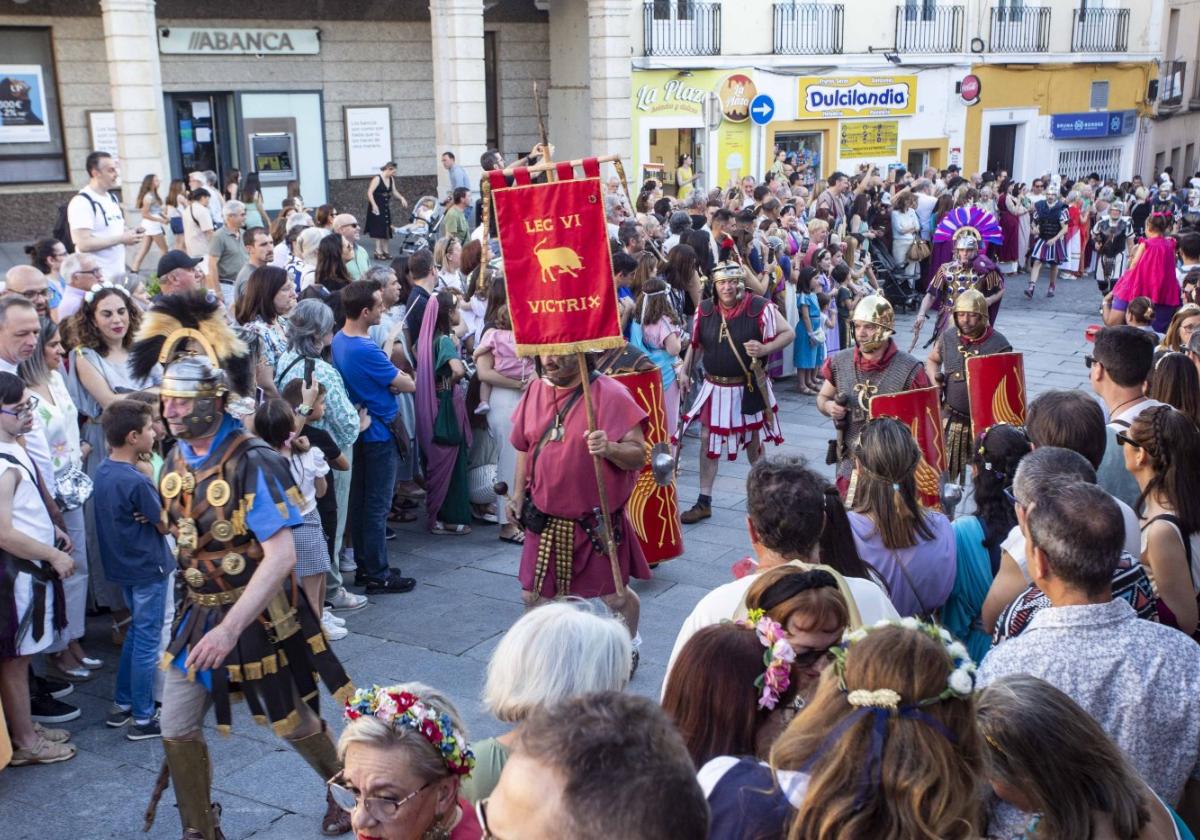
{"x": 610, "y": 545}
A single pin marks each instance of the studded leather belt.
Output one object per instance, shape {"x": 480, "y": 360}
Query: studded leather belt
{"x": 725, "y": 380}
{"x": 216, "y": 599}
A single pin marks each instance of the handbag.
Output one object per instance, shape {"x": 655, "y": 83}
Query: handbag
{"x": 446, "y": 431}
{"x": 72, "y": 487}
{"x": 177, "y": 225}
{"x": 919, "y": 251}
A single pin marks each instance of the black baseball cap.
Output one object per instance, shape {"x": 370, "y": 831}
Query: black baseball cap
{"x": 176, "y": 259}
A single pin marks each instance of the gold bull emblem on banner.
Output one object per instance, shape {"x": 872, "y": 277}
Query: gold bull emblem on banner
{"x": 562, "y": 259}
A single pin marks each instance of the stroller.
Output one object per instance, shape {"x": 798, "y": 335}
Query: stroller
{"x": 422, "y": 229}
{"x": 897, "y": 288}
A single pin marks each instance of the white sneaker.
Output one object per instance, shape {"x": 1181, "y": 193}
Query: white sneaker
{"x": 344, "y": 601}
{"x": 329, "y": 618}
{"x": 333, "y": 632}
{"x": 346, "y": 561}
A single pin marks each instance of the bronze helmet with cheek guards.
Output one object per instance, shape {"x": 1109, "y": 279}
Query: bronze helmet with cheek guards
{"x": 875, "y": 310}
{"x": 972, "y": 301}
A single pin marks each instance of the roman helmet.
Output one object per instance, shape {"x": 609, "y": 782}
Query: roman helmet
{"x": 875, "y": 310}
{"x": 730, "y": 270}
{"x": 202, "y": 357}
{"x": 967, "y": 240}
{"x": 973, "y": 301}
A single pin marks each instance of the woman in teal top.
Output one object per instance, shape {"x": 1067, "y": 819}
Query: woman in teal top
{"x": 256, "y": 216}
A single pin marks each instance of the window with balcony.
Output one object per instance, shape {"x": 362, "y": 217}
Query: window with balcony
{"x": 923, "y": 26}
{"x": 1017, "y": 28}
{"x": 681, "y": 27}
{"x": 1097, "y": 28}
{"x": 809, "y": 28}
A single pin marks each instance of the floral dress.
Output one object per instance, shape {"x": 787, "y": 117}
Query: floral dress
{"x": 61, "y": 422}
{"x": 270, "y": 340}
{"x": 341, "y": 418}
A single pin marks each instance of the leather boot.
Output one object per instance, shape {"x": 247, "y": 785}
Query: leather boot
{"x": 191, "y": 776}
{"x": 320, "y": 753}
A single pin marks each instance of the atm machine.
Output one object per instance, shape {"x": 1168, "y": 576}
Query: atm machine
{"x": 271, "y": 149}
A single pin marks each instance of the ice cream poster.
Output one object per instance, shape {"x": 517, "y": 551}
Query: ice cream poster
{"x": 23, "y": 104}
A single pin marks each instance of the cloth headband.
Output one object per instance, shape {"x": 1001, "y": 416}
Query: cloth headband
{"x": 790, "y": 586}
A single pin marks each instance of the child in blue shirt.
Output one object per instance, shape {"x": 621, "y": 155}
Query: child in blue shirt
{"x": 135, "y": 556}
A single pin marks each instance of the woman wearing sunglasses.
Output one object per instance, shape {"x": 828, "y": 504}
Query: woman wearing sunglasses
{"x": 1162, "y": 453}
{"x": 404, "y": 753}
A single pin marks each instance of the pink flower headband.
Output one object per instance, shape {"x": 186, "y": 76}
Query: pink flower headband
{"x": 778, "y": 658}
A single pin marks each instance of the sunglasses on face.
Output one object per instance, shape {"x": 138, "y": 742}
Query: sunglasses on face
{"x": 811, "y": 657}
{"x": 1125, "y": 440}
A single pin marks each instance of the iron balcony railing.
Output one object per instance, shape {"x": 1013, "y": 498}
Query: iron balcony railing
{"x": 1099, "y": 30}
{"x": 1170, "y": 84}
{"x": 682, "y": 27}
{"x": 927, "y": 28}
{"x": 1019, "y": 29}
{"x": 809, "y": 29}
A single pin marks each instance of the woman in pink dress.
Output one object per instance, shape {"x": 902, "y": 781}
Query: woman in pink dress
{"x": 1151, "y": 274}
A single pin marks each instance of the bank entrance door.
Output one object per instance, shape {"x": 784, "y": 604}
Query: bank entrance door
{"x": 200, "y": 133}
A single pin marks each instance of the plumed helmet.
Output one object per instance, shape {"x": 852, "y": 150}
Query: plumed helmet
{"x": 875, "y": 310}
{"x": 972, "y": 300}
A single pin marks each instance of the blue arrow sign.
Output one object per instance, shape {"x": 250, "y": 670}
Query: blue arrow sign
{"x": 762, "y": 108}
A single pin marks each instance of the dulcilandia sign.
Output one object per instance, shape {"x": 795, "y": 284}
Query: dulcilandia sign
{"x": 856, "y": 96}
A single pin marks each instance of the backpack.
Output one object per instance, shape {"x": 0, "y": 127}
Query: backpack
{"x": 62, "y": 227}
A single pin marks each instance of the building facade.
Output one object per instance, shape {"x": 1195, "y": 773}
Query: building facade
{"x": 1175, "y": 130}
{"x": 1062, "y": 85}
{"x": 315, "y": 91}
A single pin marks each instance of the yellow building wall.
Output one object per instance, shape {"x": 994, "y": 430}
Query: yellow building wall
{"x": 1052, "y": 89}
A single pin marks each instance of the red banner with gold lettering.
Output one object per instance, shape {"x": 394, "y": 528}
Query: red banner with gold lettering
{"x": 920, "y": 410}
{"x": 562, "y": 297}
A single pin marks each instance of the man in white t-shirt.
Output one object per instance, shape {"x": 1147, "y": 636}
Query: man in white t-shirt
{"x": 95, "y": 218}
{"x": 923, "y": 189}
{"x": 785, "y": 515}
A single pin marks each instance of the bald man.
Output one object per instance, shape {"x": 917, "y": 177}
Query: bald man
{"x": 29, "y": 283}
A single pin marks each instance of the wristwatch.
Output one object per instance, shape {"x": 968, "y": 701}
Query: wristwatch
{"x": 304, "y": 410}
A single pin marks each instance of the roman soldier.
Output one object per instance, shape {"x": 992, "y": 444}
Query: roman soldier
{"x": 972, "y": 336}
{"x": 734, "y": 332}
{"x": 968, "y": 228}
{"x": 244, "y": 629}
{"x": 854, "y": 375}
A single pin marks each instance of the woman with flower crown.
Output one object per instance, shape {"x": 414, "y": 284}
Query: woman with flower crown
{"x": 887, "y": 749}
{"x": 405, "y": 753}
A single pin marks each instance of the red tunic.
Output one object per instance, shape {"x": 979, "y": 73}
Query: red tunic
{"x": 563, "y": 483}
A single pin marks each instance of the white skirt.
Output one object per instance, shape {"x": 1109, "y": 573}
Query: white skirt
{"x": 23, "y": 594}
{"x": 720, "y": 408}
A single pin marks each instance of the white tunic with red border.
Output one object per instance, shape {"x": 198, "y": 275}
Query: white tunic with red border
{"x": 718, "y": 403}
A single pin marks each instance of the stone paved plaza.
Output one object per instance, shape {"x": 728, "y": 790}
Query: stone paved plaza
{"x": 443, "y": 632}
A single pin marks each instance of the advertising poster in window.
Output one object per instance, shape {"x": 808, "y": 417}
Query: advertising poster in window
{"x": 23, "y": 104}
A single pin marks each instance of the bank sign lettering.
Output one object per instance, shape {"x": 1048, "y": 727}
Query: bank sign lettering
{"x": 856, "y": 96}
{"x": 175, "y": 40}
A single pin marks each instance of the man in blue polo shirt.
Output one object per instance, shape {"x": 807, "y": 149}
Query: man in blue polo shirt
{"x": 371, "y": 381}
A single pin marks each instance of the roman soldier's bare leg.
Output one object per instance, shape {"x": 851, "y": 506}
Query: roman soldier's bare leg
{"x": 1033, "y": 278}
{"x": 754, "y": 448}
{"x": 708, "y": 476}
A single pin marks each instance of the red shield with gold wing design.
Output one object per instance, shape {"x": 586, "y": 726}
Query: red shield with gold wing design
{"x": 920, "y": 410}
{"x": 996, "y": 387}
{"x": 653, "y": 509}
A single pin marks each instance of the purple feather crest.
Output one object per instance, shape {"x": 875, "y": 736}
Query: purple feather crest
{"x": 978, "y": 219}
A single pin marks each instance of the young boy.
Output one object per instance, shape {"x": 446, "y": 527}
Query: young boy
{"x": 135, "y": 556}
{"x": 31, "y": 594}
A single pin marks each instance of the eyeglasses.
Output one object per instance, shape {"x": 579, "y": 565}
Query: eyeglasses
{"x": 95, "y": 272}
{"x": 24, "y": 408}
{"x": 381, "y": 809}
{"x": 31, "y": 294}
{"x": 1012, "y": 498}
{"x": 1125, "y": 440}
{"x": 481, "y": 816}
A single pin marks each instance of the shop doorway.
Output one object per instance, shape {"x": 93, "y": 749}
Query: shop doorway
{"x": 918, "y": 160}
{"x": 806, "y": 145}
{"x": 200, "y": 133}
{"x": 1002, "y": 148}
{"x": 666, "y": 146}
